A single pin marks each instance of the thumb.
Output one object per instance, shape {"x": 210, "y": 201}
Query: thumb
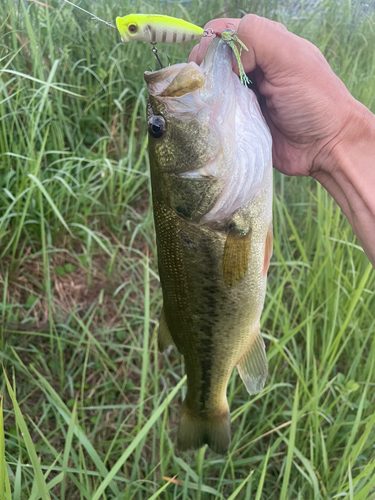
{"x": 270, "y": 45}
{"x": 199, "y": 51}
{"x": 275, "y": 50}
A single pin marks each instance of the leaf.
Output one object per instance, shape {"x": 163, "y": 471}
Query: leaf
{"x": 5, "y": 492}
{"x": 136, "y": 441}
{"x": 78, "y": 431}
{"x": 234, "y": 495}
{"x": 292, "y": 436}
{"x": 351, "y": 386}
{"x": 39, "y": 478}
{"x": 50, "y": 201}
{"x": 121, "y": 335}
{"x": 59, "y": 270}
{"x": 53, "y": 86}
{"x": 69, "y": 268}
{"x": 30, "y": 301}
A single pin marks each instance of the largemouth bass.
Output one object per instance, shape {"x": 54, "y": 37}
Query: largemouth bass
{"x": 211, "y": 175}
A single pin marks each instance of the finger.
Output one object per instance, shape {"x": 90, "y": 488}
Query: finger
{"x": 266, "y": 41}
{"x": 199, "y": 50}
{"x": 194, "y": 54}
{"x": 272, "y": 47}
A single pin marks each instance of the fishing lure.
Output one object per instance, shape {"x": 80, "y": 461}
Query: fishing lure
{"x": 156, "y": 28}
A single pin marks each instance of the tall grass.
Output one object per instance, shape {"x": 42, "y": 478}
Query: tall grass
{"x": 89, "y": 408}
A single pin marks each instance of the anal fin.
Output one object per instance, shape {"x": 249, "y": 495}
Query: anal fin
{"x": 253, "y": 367}
{"x": 164, "y": 335}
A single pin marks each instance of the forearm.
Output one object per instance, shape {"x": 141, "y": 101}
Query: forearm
{"x": 348, "y": 174}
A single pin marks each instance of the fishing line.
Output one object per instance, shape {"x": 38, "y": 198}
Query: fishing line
{"x": 93, "y": 16}
{"x": 228, "y": 35}
{"x": 89, "y": 13}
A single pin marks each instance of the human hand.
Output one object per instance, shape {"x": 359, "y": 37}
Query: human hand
{"x": 307, "y": 107}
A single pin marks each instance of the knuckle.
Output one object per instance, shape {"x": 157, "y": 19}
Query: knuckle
{"x": 210, "y": 23}
{"x": 280, "y": 26}
{"x": 263, "y": 24}
{"x": 314, "y": 49}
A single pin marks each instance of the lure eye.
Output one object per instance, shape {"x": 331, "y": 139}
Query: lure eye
{"x": 133, "y": 28}
{"x": 156, "y": 126}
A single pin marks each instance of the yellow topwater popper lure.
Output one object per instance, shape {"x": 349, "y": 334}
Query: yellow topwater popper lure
{"x": 156, "y": 28}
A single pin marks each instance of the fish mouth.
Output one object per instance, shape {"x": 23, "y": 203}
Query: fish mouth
{"x": 182, "y": 79}
{"x": 184, "y": 89}
{"x": 175, "y": 81}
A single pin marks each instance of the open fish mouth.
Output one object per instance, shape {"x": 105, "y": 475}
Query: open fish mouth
{"x": 181, "y": 79}
{"x": 186, "y": 88}
{"x": 175, "y": 81}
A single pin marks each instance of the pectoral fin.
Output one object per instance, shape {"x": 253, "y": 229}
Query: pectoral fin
{"x": 253, "y": 367}
{"x": 236, "y": 257}
{"x": 164, "y": 335}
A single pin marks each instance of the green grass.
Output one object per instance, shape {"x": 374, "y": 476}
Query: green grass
{"x": 89, "y": 408}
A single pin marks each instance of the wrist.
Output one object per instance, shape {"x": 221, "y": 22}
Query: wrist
{"x": 347, "y": 171}
{"x": 355, "y": 137}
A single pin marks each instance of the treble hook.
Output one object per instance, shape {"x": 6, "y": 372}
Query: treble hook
{"x": 155, "y": 52}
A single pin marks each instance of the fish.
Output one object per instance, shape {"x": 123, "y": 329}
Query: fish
{"x": 210, "y": 154}
{"x": 156, "y": 28}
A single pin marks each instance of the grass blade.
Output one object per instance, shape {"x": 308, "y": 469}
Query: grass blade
{"x": 78, "y": 431}
{"x": 235, "y": 493}
{"x": 292, "y": 436}
{"x": 50, "y": 201}
{"x": 39, "y": 478}
{"x": 5, "y": 492}
{"x": 137, "y": 440}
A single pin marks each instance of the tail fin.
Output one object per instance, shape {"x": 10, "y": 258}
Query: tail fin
{"x": 198, "y": 429}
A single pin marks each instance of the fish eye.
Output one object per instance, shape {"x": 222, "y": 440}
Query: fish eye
{"x": 132, "y": 28}
{"x": 156, "y": 126}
